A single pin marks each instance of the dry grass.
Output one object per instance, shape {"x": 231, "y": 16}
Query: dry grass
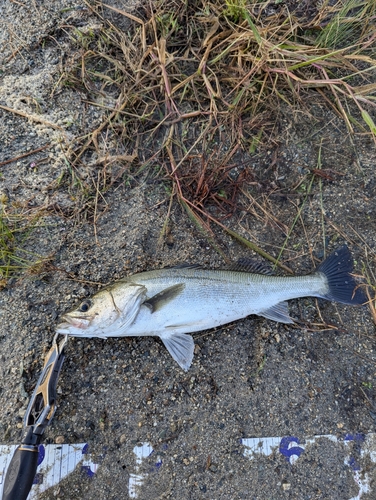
{"x": 196, "y": 83}
{"x": 193, "y": 89}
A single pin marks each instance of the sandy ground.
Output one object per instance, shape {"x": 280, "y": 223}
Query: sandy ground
{"x": 251, "y": 379}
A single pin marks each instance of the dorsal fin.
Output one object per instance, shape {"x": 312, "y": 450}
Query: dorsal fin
{"x": 184, "y": 265}
{"x": 244, "y": 264}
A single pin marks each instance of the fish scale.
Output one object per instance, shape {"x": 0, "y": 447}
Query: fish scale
{"x": 212, "y": 301}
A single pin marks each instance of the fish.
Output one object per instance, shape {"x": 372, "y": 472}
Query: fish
{"x": 171, "y": 303}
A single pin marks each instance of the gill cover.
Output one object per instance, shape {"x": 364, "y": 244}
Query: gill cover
{"x": 107, "y": 313}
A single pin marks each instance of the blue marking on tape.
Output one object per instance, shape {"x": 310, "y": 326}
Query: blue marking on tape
{"x": 352, "y": 464}
{"x": 355, "y": 437}
{"x": 41, "y": 453}
{"x": 38, "y": 479}
{"x": 158, "y": 464}
{"x": 86, "y": 468}
{"x": 289, "y": 452}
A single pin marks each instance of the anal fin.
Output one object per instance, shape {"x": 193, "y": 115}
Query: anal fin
{"x": 279, "y": 312}
{"x": 180, "y": 346}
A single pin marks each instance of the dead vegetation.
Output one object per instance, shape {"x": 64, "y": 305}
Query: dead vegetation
{"x": 192, "y": 90}
{"x": 197, "y": 83}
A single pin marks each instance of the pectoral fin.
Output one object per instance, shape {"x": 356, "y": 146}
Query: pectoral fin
{"x": 180, "y": 346}
{"x": 279, "y": 312}
{"x": 164, "y": 297}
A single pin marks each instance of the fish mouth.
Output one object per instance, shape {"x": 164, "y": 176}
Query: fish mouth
{"x": 67, "y": 322}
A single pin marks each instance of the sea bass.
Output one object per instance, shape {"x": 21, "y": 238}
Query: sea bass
{"x": 173, "y": 302}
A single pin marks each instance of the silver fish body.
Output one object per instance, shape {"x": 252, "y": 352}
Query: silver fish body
{"x": 170, "y": 303}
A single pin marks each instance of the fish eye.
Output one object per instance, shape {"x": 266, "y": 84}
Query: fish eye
{"x": 85, "y": 305}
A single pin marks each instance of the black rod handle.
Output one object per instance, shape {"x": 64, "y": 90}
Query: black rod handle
{"x": 21, "y": 472}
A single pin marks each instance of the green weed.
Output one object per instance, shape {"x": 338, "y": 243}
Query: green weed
{"x": 14, "y": 259}
{"x": 350, "y": 24}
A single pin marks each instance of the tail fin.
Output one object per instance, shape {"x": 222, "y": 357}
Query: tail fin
{"x": 342, "y": 286}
